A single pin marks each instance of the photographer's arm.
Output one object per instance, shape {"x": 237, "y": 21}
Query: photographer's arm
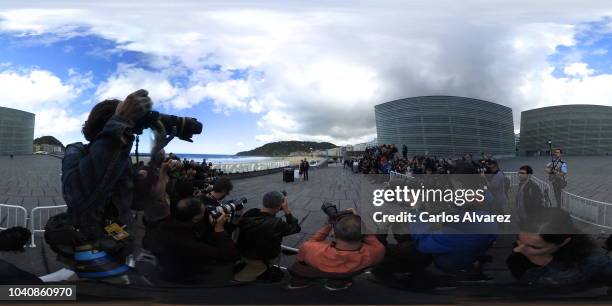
{"x": 103, "y": 165}
{"x": 322, "y": 234}
{"x": 291, "y": 225}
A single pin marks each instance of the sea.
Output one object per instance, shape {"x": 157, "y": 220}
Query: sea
{"x": 222, "y": 159}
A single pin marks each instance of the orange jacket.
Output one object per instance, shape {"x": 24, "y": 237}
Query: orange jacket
{"x": 322, "y": 255}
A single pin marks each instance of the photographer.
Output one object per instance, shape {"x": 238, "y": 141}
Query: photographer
{"x": 261, "y": 235}
{"x": 557, "y": 172}
{"x": 13, "y": 240}
{"x": 221, "y": 189}
{"x": 350, "y": 253}
{"x": 193, "y": 247}
{"x": 97, "y": 180}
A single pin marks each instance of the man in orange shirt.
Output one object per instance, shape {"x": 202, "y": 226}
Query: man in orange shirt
{"x": 350, "y": 253}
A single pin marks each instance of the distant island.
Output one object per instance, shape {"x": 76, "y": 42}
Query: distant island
{"x": 284, "y": 148}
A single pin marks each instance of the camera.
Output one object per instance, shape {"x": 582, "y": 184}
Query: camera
{"x": 332, "y": 212}
{"x": 230, "y": 207}
{"x": 186, "y": 127}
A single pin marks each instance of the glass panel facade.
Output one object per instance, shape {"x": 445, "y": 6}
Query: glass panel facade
{"x": 16, "y": 131}
{"x": 577, "y": 129}
{"x": 446, "y": 126}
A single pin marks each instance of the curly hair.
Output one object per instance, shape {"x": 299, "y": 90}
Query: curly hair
{"x": 98, "y": 117}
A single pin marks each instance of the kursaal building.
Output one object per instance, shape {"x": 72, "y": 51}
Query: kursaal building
{"x": 16, "y": 131}
{"x": 576, "y": 129}
{"x": 446, "y": 126}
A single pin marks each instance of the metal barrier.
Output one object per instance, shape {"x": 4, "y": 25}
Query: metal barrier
{"x": 39, "y": 217}
{"x": 12, "y": 215}
{"x": 398, "y": 176}
{"x": 587, "y": 210}
{"x": 251, "y": 167}
{"x": 596, "y": 213}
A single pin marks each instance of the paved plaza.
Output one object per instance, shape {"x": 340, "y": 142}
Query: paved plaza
{"x": 34, "y": 181}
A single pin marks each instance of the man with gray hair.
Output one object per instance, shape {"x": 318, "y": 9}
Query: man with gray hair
{"x": 261, "y": 235}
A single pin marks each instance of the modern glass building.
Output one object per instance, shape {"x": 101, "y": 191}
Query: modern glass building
{"x": 576, "y": 129}
{"x": 16, "y": 131}
{"x": 446, "y": 126}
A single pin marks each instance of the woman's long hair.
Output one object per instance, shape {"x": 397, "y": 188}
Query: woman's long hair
{"x": 555, "y": 226}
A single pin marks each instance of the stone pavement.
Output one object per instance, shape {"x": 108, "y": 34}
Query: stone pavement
{"x": 34, "y": 181}
{"x": 588, "y": 176}
{"x": 30, "y": 181}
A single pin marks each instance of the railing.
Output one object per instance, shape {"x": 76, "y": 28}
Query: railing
{"x": 587, "y": 210}
{"x": 12, "y": 215}
{"x": 250, "y": 167}
{"x": 398, "y": 176}
{"x": 39, "y": 217}
{"x": 590, "y": 211}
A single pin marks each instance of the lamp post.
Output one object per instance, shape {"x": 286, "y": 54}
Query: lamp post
{"x": 550, "y": 148}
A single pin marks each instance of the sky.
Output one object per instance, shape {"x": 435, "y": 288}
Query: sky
{"x": 261, "y": 71}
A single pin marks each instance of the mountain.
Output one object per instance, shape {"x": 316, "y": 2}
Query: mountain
{"x": 284, "y": 148}
{"x": 49, "y": 140}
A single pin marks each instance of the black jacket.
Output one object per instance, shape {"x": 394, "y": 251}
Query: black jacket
{"x": 261, "y": 234}
{"x": 532, "y": 198}
{"x": 184, "y": 250}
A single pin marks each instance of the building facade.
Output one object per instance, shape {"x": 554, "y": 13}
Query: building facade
{"x": 576, "y": 129}
{"x": 446, "y": 126}
{"x": 16, "y": 131}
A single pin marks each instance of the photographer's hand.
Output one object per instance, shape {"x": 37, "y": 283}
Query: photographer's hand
{"x": 135, "y": 106}
{"x": 162, "y": 138}
{"x": 285, "y": 207}
{"x": 219, "y": 223}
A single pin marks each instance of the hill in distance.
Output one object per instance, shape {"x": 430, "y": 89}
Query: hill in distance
{"x": 48, "y": 140}
{"x": 284, "y": 148}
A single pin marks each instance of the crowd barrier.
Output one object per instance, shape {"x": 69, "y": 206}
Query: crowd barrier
{"x": 251, "y": 167}
{"x": 12, "y": 215}
{"x": 39, "y": 217}
{"x": 398, "y": 176}
{"x": 596, "y": 213}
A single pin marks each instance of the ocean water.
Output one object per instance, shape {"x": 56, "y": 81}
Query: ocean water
{"x": 225, "y": 159}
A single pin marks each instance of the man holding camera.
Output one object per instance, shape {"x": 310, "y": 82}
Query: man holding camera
{"x": 261, "y": 235}
{"x": 97, "y": 184}
{"x": 557, "y": 171}
{"x": 339, "y": 260}
{"x": 192, "y": 246}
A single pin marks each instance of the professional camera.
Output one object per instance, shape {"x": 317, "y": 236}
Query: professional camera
{"x": 230, "y": 207}
{"x": 332, "y": 212}
{"x": 186, "y": 127}
{"x": 14, "y": 238}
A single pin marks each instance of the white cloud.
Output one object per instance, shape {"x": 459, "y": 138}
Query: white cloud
{"x": 316, "y": 70}
{"x": 600, "y": 51}
{"x": 44, "y": 94}
{"x": 578, "y": 70}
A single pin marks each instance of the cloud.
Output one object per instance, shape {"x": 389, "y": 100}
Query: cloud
{"x": 578, "y": 69}
{"x": 315, "y": 71}
{"x": 46, "y": 95}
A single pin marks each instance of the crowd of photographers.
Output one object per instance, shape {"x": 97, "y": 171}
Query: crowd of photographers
{"x": 385, "y": 158}
{"x": 177, "y": 220}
